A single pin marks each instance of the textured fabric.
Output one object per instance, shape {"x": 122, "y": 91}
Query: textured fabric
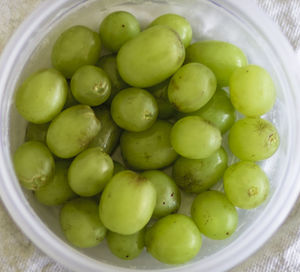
{"x": 280, "y": 253}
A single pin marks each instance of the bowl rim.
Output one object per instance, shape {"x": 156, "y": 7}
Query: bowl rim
{"x": 48, "y": 242}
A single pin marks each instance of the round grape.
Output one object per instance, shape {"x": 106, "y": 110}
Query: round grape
{"x": 191, "y": 87}
{"x": 194, "y": 138}
{"x": 178, "y": 24}
{"x": 90, "y": 85}
{"x": 252, "y": 90}
{"x": 174, "y": 239}
{"x": 196, "y": 176}
{"x": 246, "y": 185}
{"x": 80, "y": 223}
{"x": 253, "y": 139}
{"x": 168, "y": 197}
{"x": 214, "y": 215}
{"x": 34, "y": 165}
{"x": 134, "y": 109}
{"x": 75, "y": 47}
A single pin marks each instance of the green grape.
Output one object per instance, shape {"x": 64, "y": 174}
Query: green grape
{"x": 109, "y": 135}
{"x": 126, "y": 247}
{"x": 196, "y": 176}
{"x": 253, "y": 139}
{"x": 75, "y": 47}
{"x": 36, "y": 132}
{"x": 71, "y": 101}
{"x": 109, "y": 64}
{"x": 80, "y": 223}
{"x": 90, "y": 85}
{"x": 134, "y": 109}
{"x": 218, "y": 111}
{"x": 246, "y": 185}
{"x": 194, "y": 138}
{"x": 42, "y": 96}
{"x": 168, "y": 198}
{"x": 214, "y": 215}
{"x": 192, "y": 86}
{"x": 90, "y": 171}
{"x": 151, "y": 57}
{"x": 72, "y": 130}
{"x": 117, "y": 28}
{"x": 118, "y": 167}
{"x": 160, "y": 92}
{"x": 150, "y": 149}
{"x": 34, "y": 165}
{"x": 221, "y": 57}
{"x": 174, "y": 239}
{"x": 57, "y": 191}
{"x": 252, "y": 90}
{"x": 127, "y": 203}
{"x": 178, "y": 24}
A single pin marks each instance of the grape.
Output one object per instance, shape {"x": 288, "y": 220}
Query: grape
{"x": 90, "y": 85}
{"x": 117, "y": 28}
{"x": 126, "y": 247}
{"x": 118, "y": 167}
{"x": 221, "y": 57}
{"x": 109, "y": 133}
{"x": 127, "y": 203}
{"x": 151, "y": 57}
{"x": 192, "y": 86}
{"x": 90, "y": 171}
{"x": 34, "y": 165}
{"x": 134, "y": 109}
{"x": 72, "y": 130}
{"x": 160, "y": 92}
{"x": 57, "y": 191}
{"x": 174, "y": 239}
{"x": 80, "y": 223}
{"x": 218, "y": 111}
{"x": 168, "y": 196}
{"x": 75, "y": 47}
{"x": 252, "y": 90}
{"x": 36, "y": 132}
{"x": 194, "y": 138}
{"x": 253, "y": 139}
{"x": 109, "y": 64}
{"x": 214, "y": 215}
{"x": 246, "y": 185}
{"x": 178, "y": 24}
{"x": 150, "y": 149}
{"x": 42, "y": 96}
{"x": 196, "y": 176}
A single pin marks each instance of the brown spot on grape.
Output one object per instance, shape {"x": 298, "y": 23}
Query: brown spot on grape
{"x": 148, "y": 115}
{"x": 123, "y": 25}
{"x": 127, "y": 256}
{"x": 252, "y": 191}
{"x": 172, "y": 194}
{"x": 260, "y": 126}
{"x": 164, "y": 203}
{"x": 227, "y": 233}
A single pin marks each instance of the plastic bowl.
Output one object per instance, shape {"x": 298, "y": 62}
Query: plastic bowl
{"x": 239, "y": 22}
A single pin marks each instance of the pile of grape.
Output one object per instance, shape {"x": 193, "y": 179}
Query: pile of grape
{"x": 165, "y": 103}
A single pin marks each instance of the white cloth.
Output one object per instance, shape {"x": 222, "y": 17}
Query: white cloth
{"x": 280, "y": 253}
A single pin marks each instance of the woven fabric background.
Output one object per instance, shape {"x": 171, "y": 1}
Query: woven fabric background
{"x": 280, "y": 253}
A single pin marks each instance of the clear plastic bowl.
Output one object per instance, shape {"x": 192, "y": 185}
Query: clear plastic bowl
{"x": 239, "y": 22}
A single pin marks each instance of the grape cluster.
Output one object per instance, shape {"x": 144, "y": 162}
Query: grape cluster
{"x": 165, "y": 102}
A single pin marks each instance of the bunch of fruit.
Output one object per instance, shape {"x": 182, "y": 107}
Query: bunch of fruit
{"x": 166, "y": 102}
